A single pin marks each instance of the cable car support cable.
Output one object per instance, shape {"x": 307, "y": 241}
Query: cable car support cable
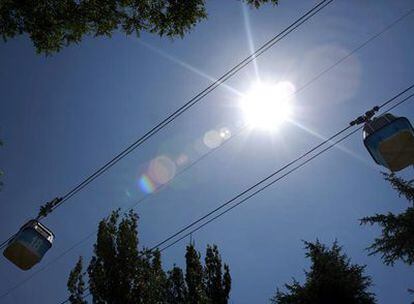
{"x": 308, "y": 160}
{"x": 326, "y": 70}
{"x": 274, "y": 181}
{"x": 358, "y": 48}
{"x": 301, "y": 157}
{"x": 55, "y": 203}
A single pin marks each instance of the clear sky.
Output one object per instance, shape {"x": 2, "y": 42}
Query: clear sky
{"x": 64, "y": 115}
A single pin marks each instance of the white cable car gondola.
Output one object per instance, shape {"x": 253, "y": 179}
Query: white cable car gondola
{"x": 29, "y": 245}
{"x": 390, "y": 141}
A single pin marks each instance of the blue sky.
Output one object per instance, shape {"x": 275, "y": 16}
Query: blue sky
{"x": 62, "y": 116}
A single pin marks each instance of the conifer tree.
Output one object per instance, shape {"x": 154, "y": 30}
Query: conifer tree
{"x": 397, "y": 237}
{"x": 331, "y": 279}
{"x": 396, "y": 242}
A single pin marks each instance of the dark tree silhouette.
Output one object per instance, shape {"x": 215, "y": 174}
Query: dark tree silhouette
{"x": 156, "y": 280}
{"x": 331, "y": 279}
{"x": 121, "y": 273}
{"x": 194, "y": 277}
{"x": 76, "y": 284}
{"x": 118, "y": 272}
{"x": 176, "y": 292}
{"x": 396, "y": 241}
{"x": 217, "y": 285}
{"x": 397, "y": 238}
{"x": 53, "y": 24}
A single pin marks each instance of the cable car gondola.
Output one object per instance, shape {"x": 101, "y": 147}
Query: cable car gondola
{"x": 29, "y": 245}
{"x": 390, "y": 141}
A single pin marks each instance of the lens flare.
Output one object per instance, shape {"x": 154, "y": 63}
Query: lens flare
{"x": 225, "y": 133}
{"x": 182, "y": 159}
{"x": 162, "y": 169}
{"x": 146, "y": 184}
{"x": 267, "y": 106}
{"x": 212, "y": 139}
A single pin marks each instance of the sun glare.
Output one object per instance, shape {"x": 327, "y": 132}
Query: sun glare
{"x": 266, "y": 106}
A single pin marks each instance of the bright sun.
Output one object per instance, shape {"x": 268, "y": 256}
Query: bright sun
{"x": 266, "y": 106}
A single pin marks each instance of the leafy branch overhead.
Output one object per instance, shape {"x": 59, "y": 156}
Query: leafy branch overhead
{"x": 54, "y": 24}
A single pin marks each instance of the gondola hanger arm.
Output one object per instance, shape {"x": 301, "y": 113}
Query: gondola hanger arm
{"x": 48, "y": 207}
{"x": 366, "y": 117}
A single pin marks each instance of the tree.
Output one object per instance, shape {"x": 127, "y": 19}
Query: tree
{"x": 119, "y": 272}
{"x": 396, "y": 241}
{"x": 176, "y": 292}
{"x": 397, "y": 237}
{"x": 331, "y": 279}
{"x": 156, "y": 280}
{"x": 206, "y": 284}
{"x": 76, "y": 284}
{"x": 217, "y": 285}
{"x": 194, "y": 277}
{"x": 53, "y": 24}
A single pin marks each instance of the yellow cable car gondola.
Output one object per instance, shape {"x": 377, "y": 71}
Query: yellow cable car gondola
{"x": 390, "y": 141}
{"x": 29, "y": 245}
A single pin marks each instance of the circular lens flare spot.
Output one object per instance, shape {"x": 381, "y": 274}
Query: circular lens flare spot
{"x": 267, "y": 106}
{"x": 212, "y": 139}
{"x": 225, "y": 133}
{"x": 161, "y": 169}
{"x": 181, "y": 160}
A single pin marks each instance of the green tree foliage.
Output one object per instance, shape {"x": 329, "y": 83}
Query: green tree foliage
{"x": 121, "y": 273}
{"x": 397, "y": 238}
{"x": 53, "y": 24}
{"x": 331, "y": 279}
{"x": 216, "y": 283}
{"x": 176, "y": 289}
{"x": 156, "y": 280}
{"x": 194, "y": 277}
{"x": 396, "y": 241}
{"x": 76, "y": 284}
{"x": 118, "y": 272}
{"x": 258, "y": 3}
{"x": 206, "y": 284}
